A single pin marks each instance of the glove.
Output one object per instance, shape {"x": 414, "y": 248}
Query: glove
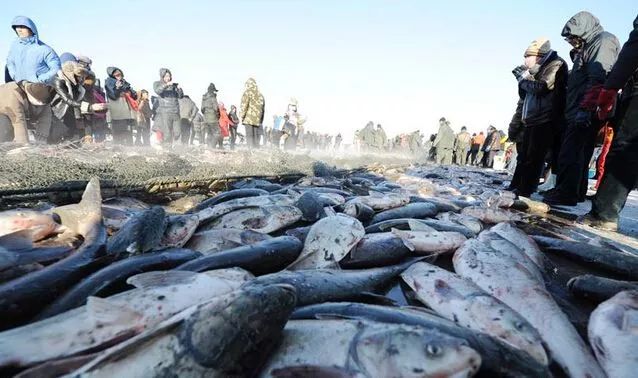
{"x": 99, "y": 107}
{"x": 606, "y": 102}
{"x": 520, "y": 73}
{"x": 583, "y": 119}
{"x": 590, "y": 98}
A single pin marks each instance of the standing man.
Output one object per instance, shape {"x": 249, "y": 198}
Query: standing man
{"x": 252, "y": 112}
{"x": 29, "y": 58}
{"x": 168, "y": 94}
{"x": 32, "y": 60}
{"x": 187, "y": 112}
{"x": 596, "y": 52}
{"x": 621, "y": 169}
{"x": 234, "y": 119}
{"x": 462, "y": 145}
{"x": 491, "y": 146}
{"x": 121, "y": 98}
{"x": 210, "y": 109}
{"x": 444, "y": 142}
{"x": 542, "y": 86}
{"x": 380, "y": 138}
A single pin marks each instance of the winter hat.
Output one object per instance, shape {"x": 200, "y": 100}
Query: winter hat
{"x": 67, "y": 57}
{"x": 212, "y": 88}
{"x": 38, "y": 93}
{"x": 72, "y": 70}
{"x": 538, "y": 47}
{"x": 84, "y": 61}
{"x": 293, "y": 101}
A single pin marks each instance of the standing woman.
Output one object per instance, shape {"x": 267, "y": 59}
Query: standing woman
{"x": 234, "y": 119}
{"x": 224, "y": 122}
{"x": 144, "y": 114}
{"x": 122, "y": 105}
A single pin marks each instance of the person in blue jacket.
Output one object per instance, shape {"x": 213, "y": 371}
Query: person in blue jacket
{"x": 29, "y": 58}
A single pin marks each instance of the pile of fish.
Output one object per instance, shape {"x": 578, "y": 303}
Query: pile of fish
{"x": 415, "y": 274}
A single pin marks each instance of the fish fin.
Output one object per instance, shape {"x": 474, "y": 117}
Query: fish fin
{"x": 18, "y": 240}
{"x": 630, "y": 322}
{"x": 445, "y": 290}
{"x": 403, "y": 236}
{"x": 104, "y": 311}
{"x": 421, "y": 309}
{"x": 83, "y": 216}
{"x": 372, "y": 298}
{"x": 415, "y": 225}
{"x": 329, "y": 211}
{"x": 328, "y": 316}
{"x": 133, "y": 248}
{"x": 166, "y": 278}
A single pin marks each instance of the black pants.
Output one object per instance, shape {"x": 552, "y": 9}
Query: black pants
{"x": 171, "y": 126}
{"x": 531, "y": 158}
{"x": 252, "y": 136}
{"x": 121, "y": 131}
{"x": 213, "y": 135}
{"x": 276, "y": 138}
{"x": 185, "y": 129}
{"x": 142, "y": 133}
{"x": 621, "y": 168}
{"x": 573, "y": 161}
{"x": 473, "y": 153}
{"x": 233, "y": 136}
{"x": 488, "y": 158}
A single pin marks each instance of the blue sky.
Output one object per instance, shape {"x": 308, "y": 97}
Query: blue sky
{"x": 403, "y": 64}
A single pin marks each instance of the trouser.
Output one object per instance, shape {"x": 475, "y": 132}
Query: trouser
{"x": 213, "y": 134}
{"x": 6, "y": 129}
{"x": 557, "y": 141}
{"x": 121, "y": 131}
{"x": 41, "y": 118}
{"x": 252, "y": 136}
{"x": 291, "y": 142}
{"x": 472, "y": 154}
{"x": 170, "y": 124}
{"x": 142, "y": 133}
{"x": 98, "y": 128}
{"x": 233, "y": 136}
{"x": 459, "y": 154}
{"x": 444, "y": 156}
{"x": 531, "y": 157}
{"x": 621, "y": 169}
{"x": 488, "y": 158}
{"x": 185, "y": 128}
{"x": 276, "y": 138}
{"x": 573, "y": 161}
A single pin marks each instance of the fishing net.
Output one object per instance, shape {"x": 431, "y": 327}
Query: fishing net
{"x": 46, "y": 166}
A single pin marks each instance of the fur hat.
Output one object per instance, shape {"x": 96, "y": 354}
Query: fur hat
{"x": 38, "y": 93}
{"x": 538, "y": 47}
{"x": 72, "y": 71}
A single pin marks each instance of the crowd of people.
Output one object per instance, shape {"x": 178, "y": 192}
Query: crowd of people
{"x": 55, "y": 98}
{"x": 560, "y": 118}
{"x": 562, "y": 115}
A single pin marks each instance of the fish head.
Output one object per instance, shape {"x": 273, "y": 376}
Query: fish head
{"x": 180, "y": 229}
{"x": 40, "y": 224}
{"x": 259, "y": 314}
{"x": 414, "y": 352}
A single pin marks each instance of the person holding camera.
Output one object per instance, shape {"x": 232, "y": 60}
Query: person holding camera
{"x": 122, "y": 106}
{"x": 168, "y": 118}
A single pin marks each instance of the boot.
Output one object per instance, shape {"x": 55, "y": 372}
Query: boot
{"x": 548, "y": 185}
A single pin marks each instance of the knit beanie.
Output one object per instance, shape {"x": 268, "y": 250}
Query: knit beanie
{"x": 538, "y": 47}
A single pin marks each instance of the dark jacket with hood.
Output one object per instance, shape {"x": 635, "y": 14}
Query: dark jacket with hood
{"x": 112, "y": 91}
{"x": 187, "y": 108}
{"x": 493, "y": 141}
{"x": 592, "y": 63}
{"x": 210, "y": 106}
{"x": 31, "y": 59}
{"x": 625, "y": 72}
{"x": 169, "y": 94}
{"x": 542, "y": 96}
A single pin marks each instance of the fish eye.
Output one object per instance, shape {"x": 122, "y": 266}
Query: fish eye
{"x": 519, "y": 325}
{"x": 433, "y": 350}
